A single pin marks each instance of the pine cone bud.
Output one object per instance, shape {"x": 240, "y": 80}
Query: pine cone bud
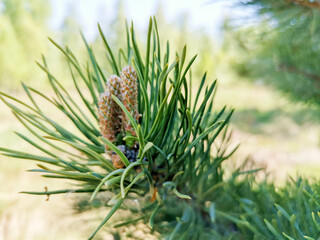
{"x": 109, "y": 111}
{"x": 113, "y": 121}
{"x": 129, "y": 91}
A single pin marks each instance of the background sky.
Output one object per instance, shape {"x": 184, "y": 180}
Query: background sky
{"x": 202, "y": 13}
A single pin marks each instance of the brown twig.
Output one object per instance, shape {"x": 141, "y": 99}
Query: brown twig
{"x": 293, "y": 69}
{"x": 306, "y": 3}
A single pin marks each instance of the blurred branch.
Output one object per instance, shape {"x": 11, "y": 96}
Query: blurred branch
{"x": 292, "y": 69}
{"x": 306, "y": 3}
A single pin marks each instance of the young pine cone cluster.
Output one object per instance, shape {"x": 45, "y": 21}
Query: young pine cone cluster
{"x": 114, "y": 124}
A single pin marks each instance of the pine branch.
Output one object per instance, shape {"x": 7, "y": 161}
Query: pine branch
{"x": 292, "y": 69}
{"x": 306, "y": 3}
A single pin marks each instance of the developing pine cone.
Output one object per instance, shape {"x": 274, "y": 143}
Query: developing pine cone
{"x": 109, "y": 111}
{"x": 113, "y": 121}
{"x": 129, "y": 91}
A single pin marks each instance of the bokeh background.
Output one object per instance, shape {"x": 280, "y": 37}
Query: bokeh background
{"x": 276, "y": 119}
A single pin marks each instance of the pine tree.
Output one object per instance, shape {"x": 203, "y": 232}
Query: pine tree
{"x": 281, "y": 46}
{"x": 142, "y": 131}
{"x": 136, "y": 133}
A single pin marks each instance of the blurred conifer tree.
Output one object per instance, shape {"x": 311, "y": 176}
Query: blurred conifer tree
{"x": 281, "y": 46}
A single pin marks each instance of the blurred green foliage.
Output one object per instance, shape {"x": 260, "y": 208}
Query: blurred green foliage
{"x": 22, "y": 38}
{"x": 279, "y": 44}
{"x": 25, "y": 27}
